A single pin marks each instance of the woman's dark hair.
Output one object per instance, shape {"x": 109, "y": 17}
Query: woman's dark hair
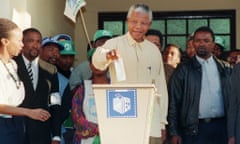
{"x": 173, "y": 45}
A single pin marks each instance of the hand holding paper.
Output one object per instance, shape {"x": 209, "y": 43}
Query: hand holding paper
{"x": 114, "y": 57}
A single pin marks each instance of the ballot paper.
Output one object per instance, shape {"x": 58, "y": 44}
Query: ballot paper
{"x": 119, "y": 68}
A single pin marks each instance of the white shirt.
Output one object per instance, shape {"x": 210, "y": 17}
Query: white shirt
{"x": 9, "y": 93}
{"x": 34, "y": 69}
{"x": 211, "y": 99}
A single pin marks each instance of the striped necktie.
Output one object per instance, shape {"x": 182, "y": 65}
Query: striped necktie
{"x": 30, "y": 73}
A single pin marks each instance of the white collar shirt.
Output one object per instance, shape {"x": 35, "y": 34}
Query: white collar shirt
{"x": 35, "y": 69}
{"x": 211, "y": 100}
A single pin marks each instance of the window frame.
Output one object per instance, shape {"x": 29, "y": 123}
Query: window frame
{"x": 183, "y": 15}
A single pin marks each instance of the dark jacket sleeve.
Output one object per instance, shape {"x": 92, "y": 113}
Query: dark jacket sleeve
{"x": 233, "y": 101}
{"x": 175, "y": 92}
{"x": 66, "y": 103}
{"x": 55, "y": 110}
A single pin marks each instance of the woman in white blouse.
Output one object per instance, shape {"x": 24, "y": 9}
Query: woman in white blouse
{"x": 11, "y": 88}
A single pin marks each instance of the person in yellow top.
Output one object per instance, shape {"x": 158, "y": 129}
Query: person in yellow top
{"x": 12, "y": 90}
{"x": 140, "y": 59}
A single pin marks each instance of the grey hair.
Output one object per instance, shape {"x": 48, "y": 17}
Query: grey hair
{"x": 140, "y": 8}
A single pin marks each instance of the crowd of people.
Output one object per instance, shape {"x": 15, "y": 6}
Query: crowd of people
{"x": 46, "y": 100}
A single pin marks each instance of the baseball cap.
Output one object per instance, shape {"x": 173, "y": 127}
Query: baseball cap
{"x": 102, "y": 34}
{"x": 49, "y": 40}
{"x": 220, "y": 41}
{"x": 90, "y": 53}
{"x": 59, "y": 37}
{"x": 68, "y": 47}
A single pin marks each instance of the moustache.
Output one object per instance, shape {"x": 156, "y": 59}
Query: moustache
{"x": 202, "y": 47}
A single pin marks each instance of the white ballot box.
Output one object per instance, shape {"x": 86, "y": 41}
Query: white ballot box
{"x": 124, "y": 112}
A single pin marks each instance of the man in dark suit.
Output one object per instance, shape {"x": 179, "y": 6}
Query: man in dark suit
{"x": 41, "y": 86}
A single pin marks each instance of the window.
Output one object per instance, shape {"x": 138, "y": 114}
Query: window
{"x": 177, "y": 26}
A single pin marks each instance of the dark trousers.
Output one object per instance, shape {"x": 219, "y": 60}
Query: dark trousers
{"x": 11, "y": 130}
{"x": 68, "y": 136}
{"x": 210, "y": 132}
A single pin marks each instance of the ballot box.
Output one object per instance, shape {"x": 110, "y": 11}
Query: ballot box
{"x": 124, "y": 112}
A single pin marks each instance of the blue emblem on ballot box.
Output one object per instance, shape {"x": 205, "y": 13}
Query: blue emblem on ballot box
{"x": 121, "y": 103}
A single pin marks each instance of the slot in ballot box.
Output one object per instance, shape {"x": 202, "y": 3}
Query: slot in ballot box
{"x": 124, "y": 112}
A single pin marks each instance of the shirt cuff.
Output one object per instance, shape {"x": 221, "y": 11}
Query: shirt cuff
{"x": 162, "y": 126}
{"x": 56, "y": 138}
{"x": 55, "y": 98}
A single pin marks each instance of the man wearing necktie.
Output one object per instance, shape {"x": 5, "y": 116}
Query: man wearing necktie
{"x": 41, "y": 89}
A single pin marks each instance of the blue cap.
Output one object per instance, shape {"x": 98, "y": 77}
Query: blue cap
{"x": 59, "y": 37}
{"x": 49, "y": 40}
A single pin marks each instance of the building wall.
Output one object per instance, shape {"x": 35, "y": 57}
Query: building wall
{"x": 45, "y": 15}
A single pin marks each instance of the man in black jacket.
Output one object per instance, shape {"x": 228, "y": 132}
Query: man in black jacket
{"x": 199, "y": 96}
{"x": 41, "y": 87}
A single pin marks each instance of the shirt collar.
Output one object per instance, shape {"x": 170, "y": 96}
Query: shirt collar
{"x": 201, "y": 60}
{"x": 132, "y": 42}
{"x": 34, "y": 62}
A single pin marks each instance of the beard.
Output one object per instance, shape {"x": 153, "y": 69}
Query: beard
{"x": 203, "y": 52}
{"x": 34, "y": 53}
